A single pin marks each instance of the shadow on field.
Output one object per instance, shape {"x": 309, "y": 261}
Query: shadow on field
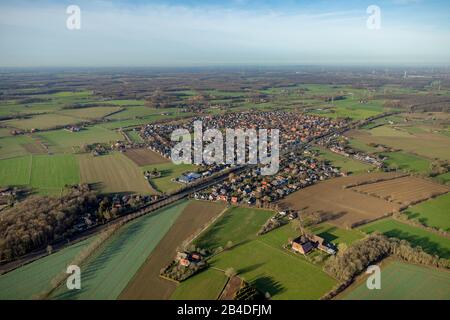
{"x": 210, "y": 238}
{"x": 268, "y": 284}
{"x": 424, "y": 242}
{"x": 249, "y": 268}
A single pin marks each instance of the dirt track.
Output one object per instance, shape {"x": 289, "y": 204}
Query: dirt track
{"x": 147, "y": 284}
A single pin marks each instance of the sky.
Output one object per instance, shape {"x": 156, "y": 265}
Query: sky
{"x": 137, "y": 33}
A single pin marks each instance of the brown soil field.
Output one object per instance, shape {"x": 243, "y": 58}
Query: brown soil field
{"x": 34, "y": 148}
{"x": 113, "y": 173}
{"x": 144, "y": 157}
{"x": 231, "y": 288}
{"x": 346, "y": 206}
{"x": 403, "y": 191}
{"x": 146, "y": 284}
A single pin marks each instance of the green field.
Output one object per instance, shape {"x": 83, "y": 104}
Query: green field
{"x": 15, "y": 171}
{"x": 430, "y": 242}
{"x": 237, "y": 225}
{"x": 207, "y": 285}
{"x": 444, "y": 178}
{"x": 407, "y": 162}
{"x": 262, "y": 260}
{"x": 107, "y": 273}
{"x": 90, "y": 113}
{"x": 351, "y": 109}
{"x": 359, "y": 145}
{"x": 168, "y": 171}
{"x": 434, "y": 212}
{"x": 134, "y": 136}
{"x": 336, "y": 235}
{"x": 271, "y": 268}
{"x": 344, "y": 164}
{"x": 12, "y": 146}
{"x": 64, "y": 141}
{"x": 48, "y": 174}
{"x": 45, "y": 121}
{"x": 34, "y": 278}
{"x": 402, "y": 281}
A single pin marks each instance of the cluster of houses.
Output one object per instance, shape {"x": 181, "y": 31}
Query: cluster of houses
{"x": 297, "y": 171}
{"x": 294, "y": 127}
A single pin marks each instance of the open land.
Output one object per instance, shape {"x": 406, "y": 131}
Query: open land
{"x": 402, "y": 281}
{"x": 147, "y": 284}
{"x": 113, "y": 173}
{"x": 108, "y": 272}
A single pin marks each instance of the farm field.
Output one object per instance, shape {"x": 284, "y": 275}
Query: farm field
{"x": 89, "y": 113}
{"x": 48, "y": 174}
{"x": 404, "y": 190}
{"x": 65, "y": 141}
{"x": 113, "y": 173}
{"x": 336, "y": 235}
{"x": 207, "y": 285}
{"x": 430, "y": 242}
{"x": 44, "y": 121}
{"x": 407, "y": 162}
{"x": 433, "y": 213}
{"x": 146, "y": 284}
{"x": 15, "y": 171}
{"x": 346, "y": 206}
{"x": 271, "y": 269}
{"x": 351, "y": 109}
{"x": 145, "y": 157}
{"x": 29, "y": 280}
{"x": 420, "y": 143}
{"x": 344, "y": 164}
{"x": 237, "y": 225}
{"x": 13, "y": 146}
{"x": 402, "y": 281}
{"x": 444, "y": 178}
{"x": 262, "y": 261}
{"x": 134, "y": 136}
{"x": 108, "y": 272}
{"x": 169, "y": 171}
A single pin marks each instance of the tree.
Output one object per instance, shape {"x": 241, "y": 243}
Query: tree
{"x": 229, "y": 244}
{"x": 49, "y": 249}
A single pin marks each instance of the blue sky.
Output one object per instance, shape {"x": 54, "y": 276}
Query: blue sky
{"x": 193, "y": 32}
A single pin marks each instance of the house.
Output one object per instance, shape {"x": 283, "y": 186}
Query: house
{"x": 305, "y": 244}
{"x": 302, "y": 245}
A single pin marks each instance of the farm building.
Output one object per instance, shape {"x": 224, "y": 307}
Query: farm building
{"x": 189, "y": 177}
{"x": 304, "y": 244}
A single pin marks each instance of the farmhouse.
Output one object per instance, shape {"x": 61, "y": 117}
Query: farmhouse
{"x": 186, "y": 259}
{"x": 304, "y": 244}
